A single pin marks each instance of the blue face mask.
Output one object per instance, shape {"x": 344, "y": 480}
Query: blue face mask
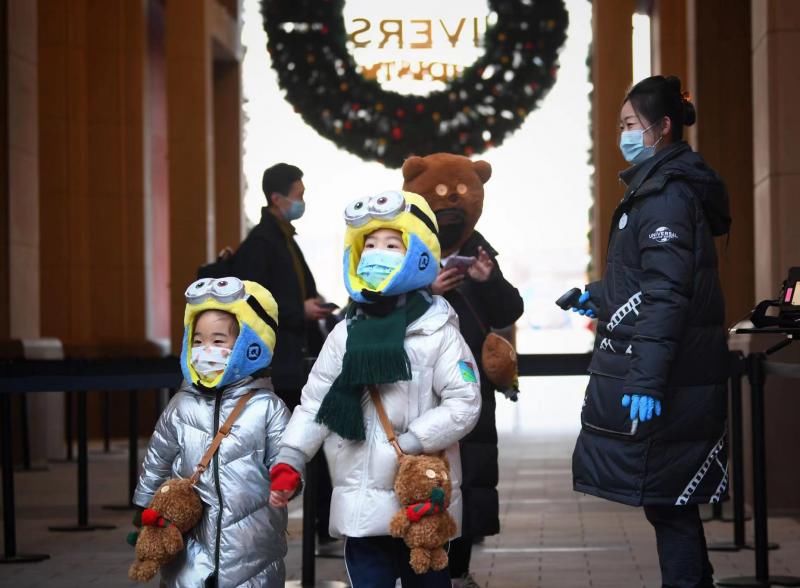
{"x": 631, "y": 143}
{"x": 376, "y": 264}
{"x": 295, "y": 210}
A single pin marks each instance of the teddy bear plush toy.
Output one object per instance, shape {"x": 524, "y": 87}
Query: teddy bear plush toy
{"x": 423, "y": 487}
{"x": 175, "y": 508}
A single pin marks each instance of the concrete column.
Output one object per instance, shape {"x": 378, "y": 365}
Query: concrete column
{"x": 21, "y": 198}
{"x": 190, "y": 126}
{"x": 720, "y": 82}
{"x": 668, "y": 24}
{"x": 776, "y": 166}
{"x": 91, "y": 107}
{"x": 612, "y": 72}
{"x": 229, "y": 213}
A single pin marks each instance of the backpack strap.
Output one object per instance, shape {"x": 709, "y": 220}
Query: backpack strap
{"x": 223, "y": 432}
{"x": 384, "y": 418}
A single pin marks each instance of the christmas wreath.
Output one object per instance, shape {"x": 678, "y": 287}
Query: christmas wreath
{"x": 307, "y": 42}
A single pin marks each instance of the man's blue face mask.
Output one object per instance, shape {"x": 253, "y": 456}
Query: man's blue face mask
{"x": 631, "y": 143}
{"x": 296, "y": 209}
{"x": 376, "y": 264}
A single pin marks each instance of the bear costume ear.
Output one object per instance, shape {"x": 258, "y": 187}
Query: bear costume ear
{"x": 482, "y": 168}
{"x": 412, "y": 167}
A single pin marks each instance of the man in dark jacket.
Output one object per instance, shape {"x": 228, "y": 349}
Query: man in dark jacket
{"x": 653, "y": 420}
{"x": 270, "y": 256}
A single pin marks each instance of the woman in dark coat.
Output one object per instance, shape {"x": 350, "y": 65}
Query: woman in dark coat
{"x": 653, "y": 421}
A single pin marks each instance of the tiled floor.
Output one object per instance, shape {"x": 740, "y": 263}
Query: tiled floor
{"x": 552, "y": 537}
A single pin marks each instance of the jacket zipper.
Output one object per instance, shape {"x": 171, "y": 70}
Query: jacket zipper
{"x": 217, "y": 406}
{"x": 365, "y": 473}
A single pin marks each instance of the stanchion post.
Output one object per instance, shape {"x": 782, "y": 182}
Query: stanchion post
{"x": 309, "y": 523}
{"x": 737, "y": 453}
{"x": 10, "y": 554}
{"x": 68, "y": 428}
{"x": 83, "y": 475}
{"x": 133, "y": 443}
{"x": 83, "y": 462}
{"x": 106, "y": 421}
{"x": 735, "y": 437}
{"x": 757, "y": 378}
{"x": 9, "y": 516}
{"x": 25, "y": 432}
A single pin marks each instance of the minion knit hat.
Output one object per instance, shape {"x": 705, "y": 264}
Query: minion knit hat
{"x": 257, "y": 314}
{"x": 402, "y": 211}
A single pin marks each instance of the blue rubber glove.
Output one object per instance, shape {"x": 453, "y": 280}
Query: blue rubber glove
{"x": 588, "y": 312}
{"x": 643, "y": 407}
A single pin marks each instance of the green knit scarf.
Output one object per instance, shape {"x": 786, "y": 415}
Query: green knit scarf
{"x": 374, "y": 354}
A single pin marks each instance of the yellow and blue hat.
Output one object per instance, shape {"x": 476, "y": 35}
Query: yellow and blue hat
{"x": 402, "y": 211}
{"x": 257, "y": 314}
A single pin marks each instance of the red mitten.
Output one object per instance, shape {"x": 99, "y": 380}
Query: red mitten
{"x": 284, "y": 477}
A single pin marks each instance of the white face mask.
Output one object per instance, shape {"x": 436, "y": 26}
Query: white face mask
{"x": 210, "y": 361}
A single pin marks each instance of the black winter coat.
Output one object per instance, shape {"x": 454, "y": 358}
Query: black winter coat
{"x": 480, "y": 307}
{"x": 660, "y": 332}
{"x": 265, "y": 257}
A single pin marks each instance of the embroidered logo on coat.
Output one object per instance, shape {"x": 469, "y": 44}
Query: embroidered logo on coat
{"x": 663, "y": 235}
{"x": 467, "y": 372}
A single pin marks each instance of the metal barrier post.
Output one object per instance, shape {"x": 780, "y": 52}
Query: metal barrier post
{"x": 10, "y": 554}
{"x": 757, "y": 376}
{"x": 737, "y": 458}
{"x": 106, "y": 422}
{"x": 83, "y": 476}
{"x": 133, "y": 452}
{"x": 309, "y": 576}
{"x": 70, "y": 434}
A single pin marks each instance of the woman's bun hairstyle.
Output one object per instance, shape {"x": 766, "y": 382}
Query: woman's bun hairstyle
{"x": 658, "y": 96}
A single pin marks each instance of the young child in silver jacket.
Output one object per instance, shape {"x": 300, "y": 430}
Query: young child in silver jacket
{"x": 229, "y": 336}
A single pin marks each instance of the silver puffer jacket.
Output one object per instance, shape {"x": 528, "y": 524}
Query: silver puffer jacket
{"x": 240, "y": 538}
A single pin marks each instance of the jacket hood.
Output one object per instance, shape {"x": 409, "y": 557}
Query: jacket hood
{"x": 438, "y": 315}
{"x": 679, "y": 162}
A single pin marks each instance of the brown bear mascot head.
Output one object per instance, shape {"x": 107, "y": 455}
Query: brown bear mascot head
{"x": 453, "y": 187}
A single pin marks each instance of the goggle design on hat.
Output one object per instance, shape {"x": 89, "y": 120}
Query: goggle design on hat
{"x": 222, "y": 290}
{"x": 225, "y": 291}
{"x": 385, "y": 206}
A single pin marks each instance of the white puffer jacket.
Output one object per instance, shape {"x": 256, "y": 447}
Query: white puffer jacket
{"x": 439, "y": 406}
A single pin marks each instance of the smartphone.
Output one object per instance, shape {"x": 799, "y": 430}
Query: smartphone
{"x": 461, "y": 263}
{"x": 329, "y": 305}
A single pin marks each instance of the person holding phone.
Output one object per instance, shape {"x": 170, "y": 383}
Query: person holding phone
{"x": 472, "y": 282}
{"x": 653, "y": 419}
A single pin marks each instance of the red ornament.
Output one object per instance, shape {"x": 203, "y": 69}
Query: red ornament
{"x": 420, "y": 107}
{"x": 348, "y": 125}
{"x": 400, "y": 113}
{"x": 355, "y": 107}
{"x": 397, "y": 133}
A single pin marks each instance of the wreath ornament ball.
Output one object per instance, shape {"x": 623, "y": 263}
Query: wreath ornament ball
{"x": 307, "y": 42}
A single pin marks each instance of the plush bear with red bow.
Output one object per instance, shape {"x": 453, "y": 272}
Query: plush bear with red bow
{"x": 423, "y": 487}
{"x": 174, "y": 510}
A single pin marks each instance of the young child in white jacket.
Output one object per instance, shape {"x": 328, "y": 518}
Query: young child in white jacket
{"x": 407, "y": 342}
